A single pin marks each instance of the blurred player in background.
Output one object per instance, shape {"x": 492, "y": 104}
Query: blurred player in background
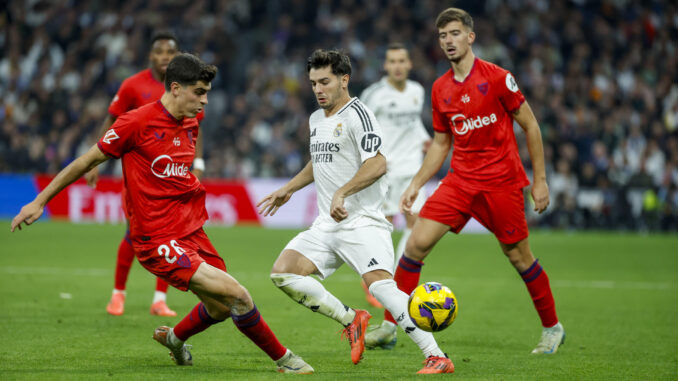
{"x": 143, "y": 87}
{"x": 166, "y": 209}
{"x": 475, "y": 104}
{"x": 397, "y": 103}
{"x": 346, "y": 165}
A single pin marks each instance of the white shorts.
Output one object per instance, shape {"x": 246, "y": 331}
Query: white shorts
{"x": 363, "y": 249}
{"x": 395, "y": 188}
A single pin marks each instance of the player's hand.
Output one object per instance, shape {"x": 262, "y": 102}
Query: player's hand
{"x": 28, "y": 214}
{"x": 337, "y": 210}
{"x": 271, "y": 203}
{"x": 407, "y": 199}
{"x": 92, "y": 177}
{"x": 540, "y": 195}
{"x": 197, "y": 173}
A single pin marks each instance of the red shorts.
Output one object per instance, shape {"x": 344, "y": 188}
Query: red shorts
{"x": 177, "y": 260}
{"x": 501, "y": 212}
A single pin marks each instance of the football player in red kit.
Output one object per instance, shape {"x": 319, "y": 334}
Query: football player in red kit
{"x": 474, "y": 105}
{"x": 165, "y": 204}
{"x": 143, "y": 87}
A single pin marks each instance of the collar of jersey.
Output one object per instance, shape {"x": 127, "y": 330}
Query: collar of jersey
{"x": 167, "y": 113}
{"x": 470, "y": 73}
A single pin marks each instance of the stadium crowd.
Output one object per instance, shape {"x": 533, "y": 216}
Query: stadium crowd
{"x": 601, "y": 77}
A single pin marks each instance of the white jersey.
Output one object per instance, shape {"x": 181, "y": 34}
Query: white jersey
{"x": 339, "y": 145}
{"x": 399, "y": 114}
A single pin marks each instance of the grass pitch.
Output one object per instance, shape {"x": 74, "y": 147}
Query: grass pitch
{"x": 616, "y": 295}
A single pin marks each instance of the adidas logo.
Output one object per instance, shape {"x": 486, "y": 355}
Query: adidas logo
{"x": 313, "y": 133}
{"x": 409, "y": 329}
{"x": 372, "y": 262}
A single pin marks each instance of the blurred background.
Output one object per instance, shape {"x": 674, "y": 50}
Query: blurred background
{"x": 601, "y": 77}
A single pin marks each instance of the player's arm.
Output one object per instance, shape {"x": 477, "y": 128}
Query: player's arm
{"x": 527, "y": 121}
{"x": 369, "y": 172}
{"x": 271, "y": 203}
{"x": 33, "y": 210}
{"x": 435, "y": 156}
{"x": 198, "y": 162}
{"x": 92, "y": 176}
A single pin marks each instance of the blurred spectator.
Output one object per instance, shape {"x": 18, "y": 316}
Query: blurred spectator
{"x": 602, "y": 78}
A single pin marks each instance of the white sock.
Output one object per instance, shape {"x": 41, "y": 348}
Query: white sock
{"x": 116, "y": 291}
{"x": 311, "y": 293}
{"x": 173, "y": 339}
{"x": 400, "y": 250}
{"x": 159, "y": 296}
{"x": 395, "y": 301}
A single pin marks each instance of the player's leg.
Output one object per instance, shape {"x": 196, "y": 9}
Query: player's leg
{"x": 504, "y": 214}
{"x": 159, "y": 305}
{"x": 410, "y": 219}
{"x": 124, "y": 260}
{"x": 291, "y": 273}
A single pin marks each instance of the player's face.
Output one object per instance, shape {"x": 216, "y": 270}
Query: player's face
{"x": 455, "y": 40}
{"x": 327, "y": 87}
{"x": 192, "y": 98}
{"x": 397, "y": 64}
{"x": 161, "y": 54}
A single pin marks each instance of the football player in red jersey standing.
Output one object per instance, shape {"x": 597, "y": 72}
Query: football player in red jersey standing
{"x": 474, "y": 105}
{"x": 143, "y": 87}
{"x": 165, "y": 204}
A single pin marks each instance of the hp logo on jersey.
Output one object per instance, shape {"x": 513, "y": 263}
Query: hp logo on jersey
{"x": 471, "y": 123}
{"x": 370, "y": 142}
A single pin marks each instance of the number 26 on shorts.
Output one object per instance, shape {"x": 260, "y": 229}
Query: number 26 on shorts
{"x": 165, "y": 250}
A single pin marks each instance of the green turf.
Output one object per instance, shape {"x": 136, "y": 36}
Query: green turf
{"x": 616, "y": 295}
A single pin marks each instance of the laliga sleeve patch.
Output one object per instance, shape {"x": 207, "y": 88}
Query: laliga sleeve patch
{"x": 110, "y": 135}
{"x": 511, "y": 83}
{"x": 370, "y": 142}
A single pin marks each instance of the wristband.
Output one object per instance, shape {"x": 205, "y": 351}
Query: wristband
{"x": 199, "y": 164}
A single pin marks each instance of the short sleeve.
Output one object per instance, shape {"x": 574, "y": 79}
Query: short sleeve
{"x": 366, "y": 131}
{"x": 509, "y": 94}
{"x": 440, "y": 123}
{"x": 122, "y": 101}
{"x": 120, "y": 138}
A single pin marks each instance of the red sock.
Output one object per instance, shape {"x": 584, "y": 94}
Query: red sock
{"x": 161, "y": 285}
{"x": 195, "y": 322}
{"x": 538, "y": 285}
{"x": 124, "y": 262}
{"x": 407, "y": 277}
{"x": 256, "y": 329}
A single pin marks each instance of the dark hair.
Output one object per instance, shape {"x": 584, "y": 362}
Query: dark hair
{"x": 187, "y": 69}
{"x": 164, "y": 35}
{"x": 454, "y": 14}
{"x": 339, "y": 61}
{"x": 396, "y": 46}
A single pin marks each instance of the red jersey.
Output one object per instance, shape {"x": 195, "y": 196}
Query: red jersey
{"x": 164, "y": 200}
{"x": 140, "y": 89}
{"x": 478, "y": 112}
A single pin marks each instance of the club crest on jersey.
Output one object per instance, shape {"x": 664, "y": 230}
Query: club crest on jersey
{"x": 465, "y": 98}
{"x": 176, "y": 141}
{"x": 370, "y": 142}
{"x": 163, "y": 166}
{"x": 338, "y": 130}
{"x": 110, "y": 135}
{"x": 471, "y": 124}
{"x": 483, "y": 87}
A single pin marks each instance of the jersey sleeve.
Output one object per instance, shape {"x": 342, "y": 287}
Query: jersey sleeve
{"x": 120, "y": 138}
{"x": 440, "y": 124}
{"x": 366, "y": 132}
{"x": 123, "y": 100}
{"x": 509, "y": 94}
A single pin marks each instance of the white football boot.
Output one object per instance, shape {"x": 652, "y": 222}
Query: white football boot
{"x": 291, "y": 363}
{"x": 384, "y": 335}
{"x": 551, "y": 339}
{"x": 179, "y": 353}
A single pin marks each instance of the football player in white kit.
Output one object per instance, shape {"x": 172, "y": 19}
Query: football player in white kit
{"x": 347, "y": 165}
{"x": 398, "y": 103}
